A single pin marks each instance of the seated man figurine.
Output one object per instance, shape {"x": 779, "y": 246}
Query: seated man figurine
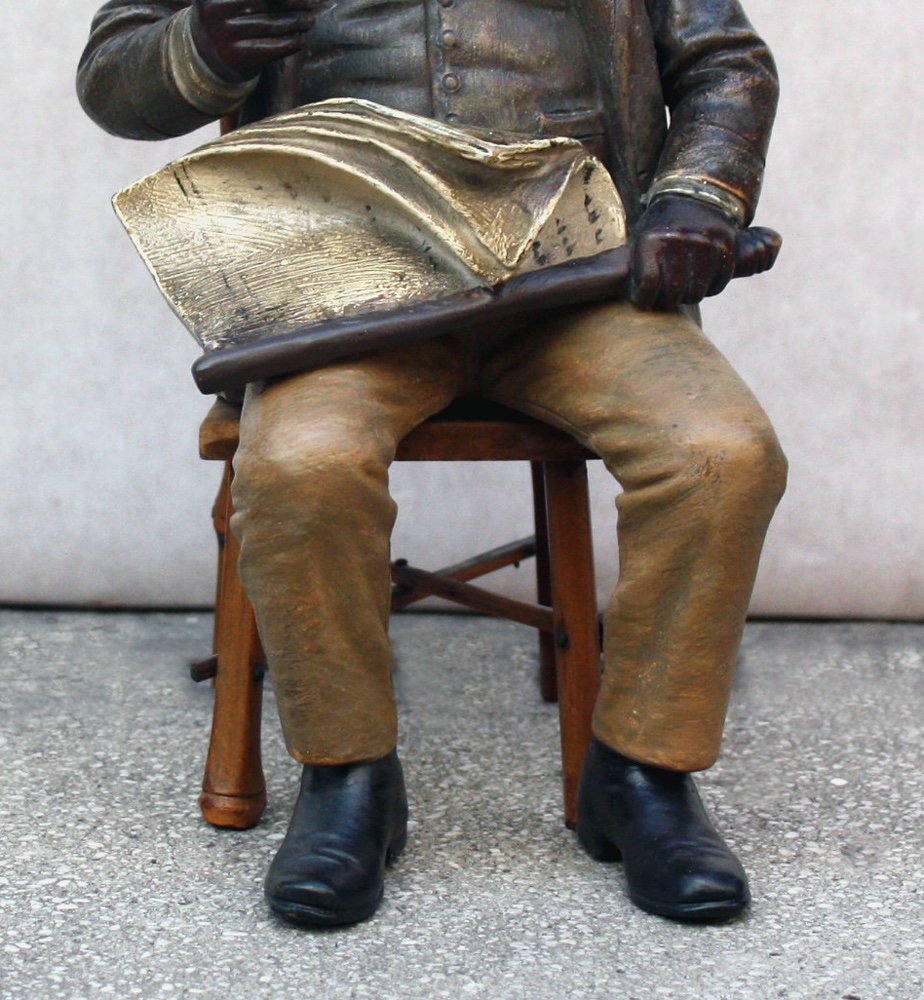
{"x": 636, "y": 382}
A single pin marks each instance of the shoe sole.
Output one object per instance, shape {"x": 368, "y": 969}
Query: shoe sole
{"x": 713, "y": 911}
{"x": 318, "y": 916}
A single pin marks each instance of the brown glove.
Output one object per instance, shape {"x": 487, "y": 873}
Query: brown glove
{"x": 238, "y": 38}
{"x": 682, "y": 251}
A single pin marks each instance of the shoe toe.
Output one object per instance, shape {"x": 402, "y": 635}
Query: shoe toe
{"x": 693, "y": 894}
{"x": 712, "y": 887}
{"x": 307, "y": 891}
{"x": 313, "y": 903}
{"x": 318, "y": 890}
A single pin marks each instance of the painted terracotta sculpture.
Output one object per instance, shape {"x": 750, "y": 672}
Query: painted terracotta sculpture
{"x": 635, "y": 381}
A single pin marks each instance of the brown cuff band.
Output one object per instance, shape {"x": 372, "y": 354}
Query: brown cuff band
{"x": 704, "y": 190}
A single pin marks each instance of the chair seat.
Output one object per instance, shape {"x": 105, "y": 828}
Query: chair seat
{"x": 219, "y": 431}
{"x": 469, "y": 430}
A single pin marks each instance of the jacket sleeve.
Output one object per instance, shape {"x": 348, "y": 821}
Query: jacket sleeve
{"x": 140, "y": 76}
{"x": 720, "y": 86}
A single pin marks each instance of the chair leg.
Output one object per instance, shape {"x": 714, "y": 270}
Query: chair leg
{"x": 201, "y": 670}
{"x": 548, "y": 682}
{"x": 574, "y": 603}
{"x": 233, "y": 788}
{"x": 221, "y": 510}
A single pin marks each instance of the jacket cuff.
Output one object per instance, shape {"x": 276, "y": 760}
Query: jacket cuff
{"x": 717, "y": 157}
{"x": 702, "y": 189}
{"x": 197, "y": 83}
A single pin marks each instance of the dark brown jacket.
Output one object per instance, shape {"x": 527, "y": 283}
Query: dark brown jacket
{"x": 700, "y": 59}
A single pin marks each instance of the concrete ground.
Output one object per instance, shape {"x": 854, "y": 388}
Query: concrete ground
{"x": 112, "y": 886}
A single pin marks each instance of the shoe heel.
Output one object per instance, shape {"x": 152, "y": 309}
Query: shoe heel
{"x": 396, "y": 847}
{"x": 595, "y": 844}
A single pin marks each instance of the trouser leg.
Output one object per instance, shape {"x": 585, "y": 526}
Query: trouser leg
{"x": 314, "y": 518}
{"x": 701, "y": 472}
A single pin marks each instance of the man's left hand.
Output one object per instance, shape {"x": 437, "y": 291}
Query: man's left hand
{"x": 683, "y": 250}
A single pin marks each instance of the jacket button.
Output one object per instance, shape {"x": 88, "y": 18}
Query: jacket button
{"x": 449, "y": 39}
{"x": 451, "y": 83}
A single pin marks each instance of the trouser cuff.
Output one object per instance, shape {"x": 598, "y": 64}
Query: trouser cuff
{"x": 656, "y": 754}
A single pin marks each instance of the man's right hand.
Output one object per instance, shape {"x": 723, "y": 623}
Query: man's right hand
{"x": 238, "y": 38}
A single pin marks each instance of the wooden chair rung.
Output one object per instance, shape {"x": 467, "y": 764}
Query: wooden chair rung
{"x": 476, "y": 598}
{"x": 203, "y": 670}
{"x": 511, "y": 554}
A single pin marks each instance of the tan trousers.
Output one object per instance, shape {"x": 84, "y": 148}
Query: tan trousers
{"x": 701, "y": 472}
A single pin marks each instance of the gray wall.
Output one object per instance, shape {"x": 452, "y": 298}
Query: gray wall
{"x": 103, "y": 499}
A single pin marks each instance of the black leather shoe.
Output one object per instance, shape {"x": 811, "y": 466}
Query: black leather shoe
{"x": 349, "y": 822}
{"x": 651, "y": 819}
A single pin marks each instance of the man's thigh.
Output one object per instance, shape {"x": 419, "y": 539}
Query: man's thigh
{"x": 626, "y": 383}
{"x": 358, "y": 406}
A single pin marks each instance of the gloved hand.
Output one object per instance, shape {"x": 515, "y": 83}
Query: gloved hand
{"x": 682, "y": 251}
{"x": 238, "y": 38}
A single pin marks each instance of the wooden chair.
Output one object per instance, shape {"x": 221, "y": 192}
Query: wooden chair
{"x": 233, "y": 789}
